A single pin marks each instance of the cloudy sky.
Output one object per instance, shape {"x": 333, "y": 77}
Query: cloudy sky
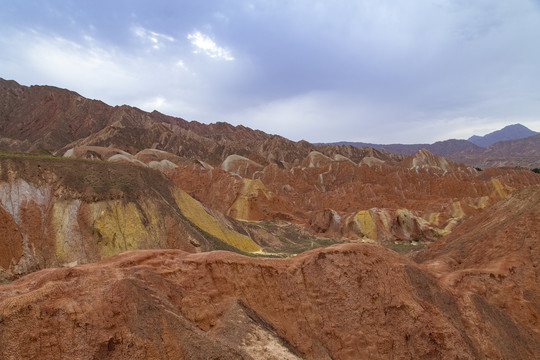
{"x": 380, "y": 71}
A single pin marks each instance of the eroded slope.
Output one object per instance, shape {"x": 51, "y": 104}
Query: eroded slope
{"x": 474, "y": 295}
{"x": 61, "y": 212}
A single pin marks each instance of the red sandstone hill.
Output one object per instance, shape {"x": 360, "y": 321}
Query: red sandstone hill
{"x": 53, "y": 119}
{"x": 423, "y": 197}
{"x": 474, "y": 295}
{"x": 277, "y": 195}
{"x": 64, "y": 211}
{"x": 135, "y": 180}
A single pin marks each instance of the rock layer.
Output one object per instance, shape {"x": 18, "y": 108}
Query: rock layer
{"x": 470, "y": 297}
{"x": 61, "y": 212}
{"x": 423, "y": 197}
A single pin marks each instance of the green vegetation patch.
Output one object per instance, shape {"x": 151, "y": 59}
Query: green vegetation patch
{"x": 405, "y": 247}
{"x": 293, "y": 239}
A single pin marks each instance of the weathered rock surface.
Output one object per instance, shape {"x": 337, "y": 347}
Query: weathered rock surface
{"x": 376, "y": 196}
{"x": 346, "y": 302}
{"x": 473, "y": 295}
{"x": 62, "y": 212}
{"x": 491, "y": 261}
{"x": 423, "y": 197}
{"x": 57, "y": 120}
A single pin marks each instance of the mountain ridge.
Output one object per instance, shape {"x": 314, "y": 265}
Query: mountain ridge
{"x": 509, "y": 132}
{"x": 47, "y": 118}
{"x": 521, "y": 151}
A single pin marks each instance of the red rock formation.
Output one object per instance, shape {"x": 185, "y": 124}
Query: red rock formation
{"x": 45, "y": 117}
{"x": 491, "y": 261}
{"x": 475, "y": 295}
{"x": 437, "y": 193}
{"x": 56, "y": 212}
{"x": 472, "y": 294}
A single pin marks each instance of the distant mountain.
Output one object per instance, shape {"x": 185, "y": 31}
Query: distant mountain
{"x": 50, "y": 119}
{"x": 442, "y": 148}
{"x": 521, "y": 152}
{"x": 518, "y": 146}
{"x": 510, "y": 132}
{"x": 46, "y": 118}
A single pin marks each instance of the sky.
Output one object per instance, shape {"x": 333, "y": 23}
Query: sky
{"x": 379, "y": 71}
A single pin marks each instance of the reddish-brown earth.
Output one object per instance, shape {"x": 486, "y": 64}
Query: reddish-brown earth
{"x": 336, "y": 191}
{"x": 474, "y": 295}
{"x": 327, "y": 194}
{"x": 55, "y": 120}
{"x": 55, "y": 212}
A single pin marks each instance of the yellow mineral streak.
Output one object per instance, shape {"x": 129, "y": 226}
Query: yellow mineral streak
{"x": 61, "y": 225}
{"x": 434, "y": 219}
{"x": 366, "y": 225}
{"x": 120, "y": 226}
{"x": 501, "y": 189}
{"x": 433, "y": 222}
{"x": 457, "y": 210}
{"x": 194, "y": 212}
{"x": 481, "y": 202}
{"x": 440, "y": 232}
{"x": 117, "y": 226}
{"x": 240, "y": 209}
{"x": 252, "y": 188}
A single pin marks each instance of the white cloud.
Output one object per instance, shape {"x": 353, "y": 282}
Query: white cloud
{"x": 208, "y": 46}
{"x": 374, "y": 71}
{"x": 326, "y": 116}
{"x": 181, "y": 64}
{"x": 62, "y": 61}
{"x": 157, "y": 103}
{"x": 156, "y": 40}
{"x": 315, "y": 116}
{"x": 99, "y": 71}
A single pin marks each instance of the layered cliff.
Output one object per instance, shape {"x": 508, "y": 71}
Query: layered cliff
{"x": 61, "y": 212}
{"x": 116, "y": 237}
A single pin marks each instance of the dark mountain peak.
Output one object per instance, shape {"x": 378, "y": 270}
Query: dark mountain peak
{"x": 510, "y": 132}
